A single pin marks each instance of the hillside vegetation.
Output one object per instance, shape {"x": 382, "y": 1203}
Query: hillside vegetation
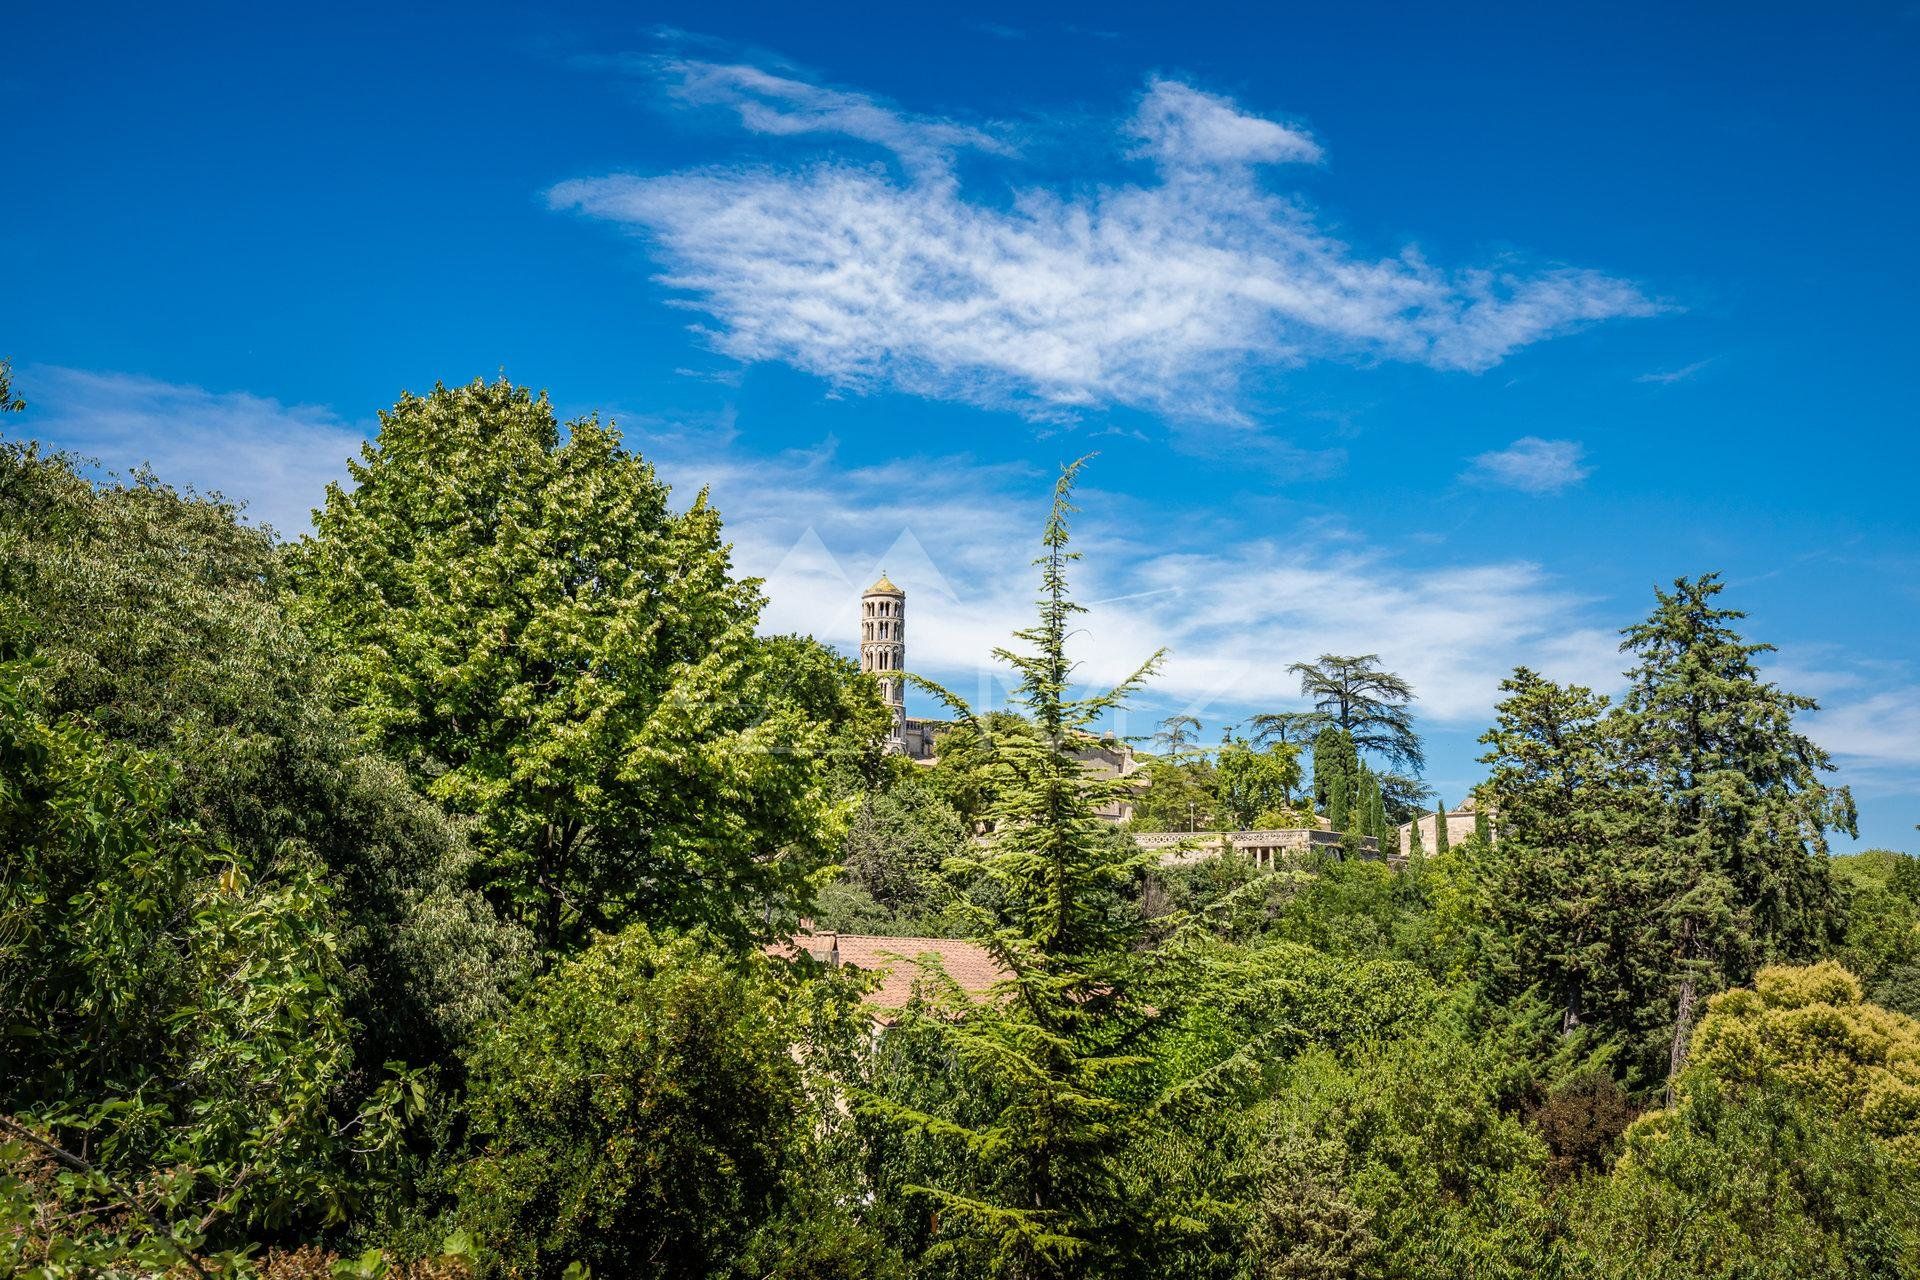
{"x": 408, "y": 900}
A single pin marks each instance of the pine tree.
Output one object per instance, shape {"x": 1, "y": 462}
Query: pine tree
{"x": 1028, "y": 1177}
{"x": 1745, "y": 812}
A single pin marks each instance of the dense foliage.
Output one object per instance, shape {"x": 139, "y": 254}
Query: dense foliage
{"x": 413, "y": 900}
{"x": 524, "y": 621}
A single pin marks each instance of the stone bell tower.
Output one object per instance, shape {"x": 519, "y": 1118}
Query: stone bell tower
{"x": 883, "y": 649}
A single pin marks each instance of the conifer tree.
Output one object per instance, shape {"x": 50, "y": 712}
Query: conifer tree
{"x": 1339, "y": 807}
{"x": 1745, "y": 813}
{"x": 1441, "y": 840}
{"x": 1365, "y": 702}
{"x": 1029, "y": 1182}
{"x": 1334, "y": 756}
{"x": 1562, "y": 892}
{"x": 1416, "y": 843}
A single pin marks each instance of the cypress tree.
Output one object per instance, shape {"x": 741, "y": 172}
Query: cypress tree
{"x": 1416, "y": 843}
{"x": 1330, "y": 752}
{"x": 1440, "y": 840}
{"x": 1339, "y": 810}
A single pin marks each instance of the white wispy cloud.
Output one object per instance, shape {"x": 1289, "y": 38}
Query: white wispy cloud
{"x": 774, "y": 104}
{"x": 1667, "y": 377}
{"x": 1182, "y": 128}
{"x": 1172, "y": 294}
{"x": 1879, "y": 730}
{"x": 1234, "y": 610}
{"x": 277, "y": 458}
{"x": 1532, "y": 465}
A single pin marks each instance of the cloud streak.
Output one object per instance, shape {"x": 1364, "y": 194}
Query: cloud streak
{"x": 277, "y": 458}
{"x": 1667, "y": 377}
{"x": 1234, "y": 611}
{"x": 1532, "y": 465}
{"x": 1175, "y": 293}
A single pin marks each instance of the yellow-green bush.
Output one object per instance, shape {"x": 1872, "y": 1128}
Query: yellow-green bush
{"x": 1809, "y": 1029}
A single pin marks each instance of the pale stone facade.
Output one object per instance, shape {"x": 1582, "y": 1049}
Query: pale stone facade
{"x": 1272, "y": 849}
{"x": 1460, "y": 824}
{"x": 883, "y": 654}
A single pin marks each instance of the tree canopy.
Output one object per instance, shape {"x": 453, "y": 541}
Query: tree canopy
{"x": 526, "y": 623}
{"x": 425, "y": 899}
{"x": 1366, "y": 701}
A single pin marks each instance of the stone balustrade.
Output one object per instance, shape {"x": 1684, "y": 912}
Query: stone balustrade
{"x": 1270, "y": 848}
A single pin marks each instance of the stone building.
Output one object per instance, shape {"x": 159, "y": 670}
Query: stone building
{"x": 883, "y": 654}
{"x": 1460, "y": 825}
{"x": 1271, "y": 850}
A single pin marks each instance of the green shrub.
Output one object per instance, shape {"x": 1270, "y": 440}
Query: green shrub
{"x": 638, "y": 1112}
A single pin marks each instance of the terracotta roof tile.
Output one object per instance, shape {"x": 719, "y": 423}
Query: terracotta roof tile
{"x": 897, "y": 959}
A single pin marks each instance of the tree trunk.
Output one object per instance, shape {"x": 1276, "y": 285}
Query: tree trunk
{"x": 1682, "y": 1032}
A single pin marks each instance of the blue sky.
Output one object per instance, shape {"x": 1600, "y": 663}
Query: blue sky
{"x": 1438, "y": 332}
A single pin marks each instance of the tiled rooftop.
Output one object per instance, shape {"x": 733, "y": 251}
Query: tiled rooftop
{"x": 898, "y": 959}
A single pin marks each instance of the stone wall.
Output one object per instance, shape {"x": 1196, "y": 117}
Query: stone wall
{"x": 1459, "y": 827}
{"x": 1270, "y": 848}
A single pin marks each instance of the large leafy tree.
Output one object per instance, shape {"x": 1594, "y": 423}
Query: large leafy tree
{"x": 642, "y": 1112}
{"x": 160, "y": 618}
{"x": 805, "y": 675}
{"x": 1180, "y": 796}
{"x": 1792, "y": 1147}
{"x": 171, "y": 1016}
{"x": 1369, "y": 703}
{"x": 1254, "y": 787}
{"x": 551, "y": 648}
{"x": 897, "y": 844}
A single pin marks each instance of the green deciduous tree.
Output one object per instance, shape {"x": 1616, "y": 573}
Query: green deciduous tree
{"x": 1179, "y": 797}
{"x": 1249, "y": 784}
{"x": 551, "y": 649}
{"x": 9, "y": 402}
{"x": 641, "y": 1112}
{"x": 898, "y": 843}
{"x": 175, "y": 1017}
{"x": 1792, "y": 1149}
{"x": 160, "y": 618}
